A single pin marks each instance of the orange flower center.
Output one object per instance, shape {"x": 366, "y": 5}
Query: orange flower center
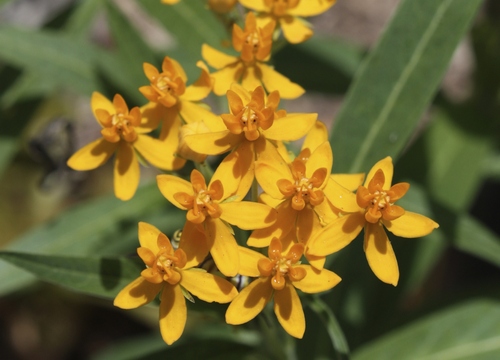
{"x": 280, "y": 266}
{"x": 165, "y": 84}
{"x": 303, "y": 190}
{"x": 201, "y": 203}
{"x": 119, "y": 125}
{"x": 379, "y": 203}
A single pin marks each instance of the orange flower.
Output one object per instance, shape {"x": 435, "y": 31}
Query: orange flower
{"x": 254, "y": 44}
{"x": 122, "y": 133}
{"x": 279, "y": 275}
{"x": 167, "y": 273}
{"x": 376, "y": 209}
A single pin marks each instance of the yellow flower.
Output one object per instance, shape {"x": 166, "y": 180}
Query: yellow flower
{"x": 287, "y": 13}
{"x": 376, "y": 209}
{"x": 123, "y": 134}
{"x": 170, "y": 2}
{"x": 179, "y": 101}
{"x": 279, "y": 275}
{"x": 209, "y": 211}
{"x": 252, "y": 120}
{"x": 254, "y": 44}
{"x": 166, "y": 272}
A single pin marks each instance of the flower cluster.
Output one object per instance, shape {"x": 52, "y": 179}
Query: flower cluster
{"x": 303, "y": 213}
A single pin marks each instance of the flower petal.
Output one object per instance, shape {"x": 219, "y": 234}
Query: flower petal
{"x": 194, "y": 243}
{"x": 248, "y": 261}
{"x": 248, "y": 215}
{"x": 321, "y": 157}
{"x": 223, "y": 246}
{"x": 173, "y": 313}
{"x": 139, "y": 292}
{"x": 388, "y": 169}
{"x": 316, "y": 280}
{"x": 249, "y": 302}
{"x": 153, "y": 150}
{"x": 170, "y": 185}
{"x": 126, "y": 172}
{"x": 340, "y": 197}
{"x": 336, "y": 235}
{"x": 270, "y": 167}
{"x": 92, "y": 155}
{"x": 288, "y": 310}
{"x": 236, "y": 171}
{"x": 148, "y": 236}
{"x": 284, "y": 224}
{"x": 192, "y": 112}
{"x": 316, "y": 136}
{"x": 201, "y": 88}
{"x": 411, "y": 225}
{"x": 294, "y": 29}
{"x": 257, "y": 5}
{"x": 99, "y": 101}
{"x": 251, "y": 78}
{"x": 380, "y": 254}
{"x": 215, "y": 58}
{"x": 213, "y": 143}
{"x": 291, "y": 127}
{"x": 311, "y": 8}
{"x": 273, "y": 80}
{"x": 349, "y": 181}
{"x": 169, "y": 135}
{"x": 225, "y": 77}
{"x": 208, "y": 287}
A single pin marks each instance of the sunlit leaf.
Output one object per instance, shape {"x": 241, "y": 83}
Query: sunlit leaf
{"x": 397, "y": 81}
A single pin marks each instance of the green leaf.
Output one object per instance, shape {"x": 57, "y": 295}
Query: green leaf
{"x": 90, "y": 228}
{"x": 81, "y": 18}
{"x": 468, "y": 331}
{"x": 397, "y": 81}
{"x": 8, "y": 147}
{"x": 67, "y": 62}
{"x": 103, "y": 277}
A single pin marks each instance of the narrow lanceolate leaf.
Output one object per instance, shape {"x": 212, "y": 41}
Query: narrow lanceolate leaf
{"x": 396, "y": 83}
{"x": 94, "y": 276}
{"x": 57, "y": 58}
{"x": 89, "y": 228}
{"x": 467, "y": 331}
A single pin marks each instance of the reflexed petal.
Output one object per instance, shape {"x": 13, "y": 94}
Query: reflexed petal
{"x": 288, "y": 310}
{"x": 336, "y": 235}
{"x": 311, "y": 8}
{"x": 215, "y": 58}
{"x": 151, "y": 113}
{"x": 295, "y": 30}
{"x": 284, "y": 224}
{"x": 349, "y": 181}
{"x": 148, "y": 236}
{"x": 208, "y": 287}
{"x": 173, "y": 313}
{"x": 291, "y": 127}
{"x": 270, "y": 167}
{"x": 236, "y": 171}
{"x": 248, "y": 215}
{"x": 316, "y": 136}
{"x": 169, "y": 135}
{"x": 388, "y": 169}
{"x": 192, "y": 113}
{"x": 169, "y": 185}
{"x": 248, "y": 261}
{"x": 340, "y": 197}
{"x": 326, "y": 212}
{"x": 223, "y": 247}
{"x": 397, "y": 191}
{"x": 307, "y": 225}
{"x": 249, "y": 302}
{"x": 225, "y": 77}
{"x": 411, "y": 225}
{"x": 316, "y": 280}
{"x": 322, "y": 157}
{"x": 139, "y": 292}
{"x": 213, "y": 143}
{"x": 380, "y": 254}
{"x": 92, "y": 155}
{"x": 99, "y": 101}
{"x": 251, "y": 77}
{"x": 153, "y": 150}
{"x": 194, "y": 243}
{"x": 273, "y": 80}
{"x": 201, "y": 88}
{"x": 317, "y": 262}
{"x": 126, "y": 172}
